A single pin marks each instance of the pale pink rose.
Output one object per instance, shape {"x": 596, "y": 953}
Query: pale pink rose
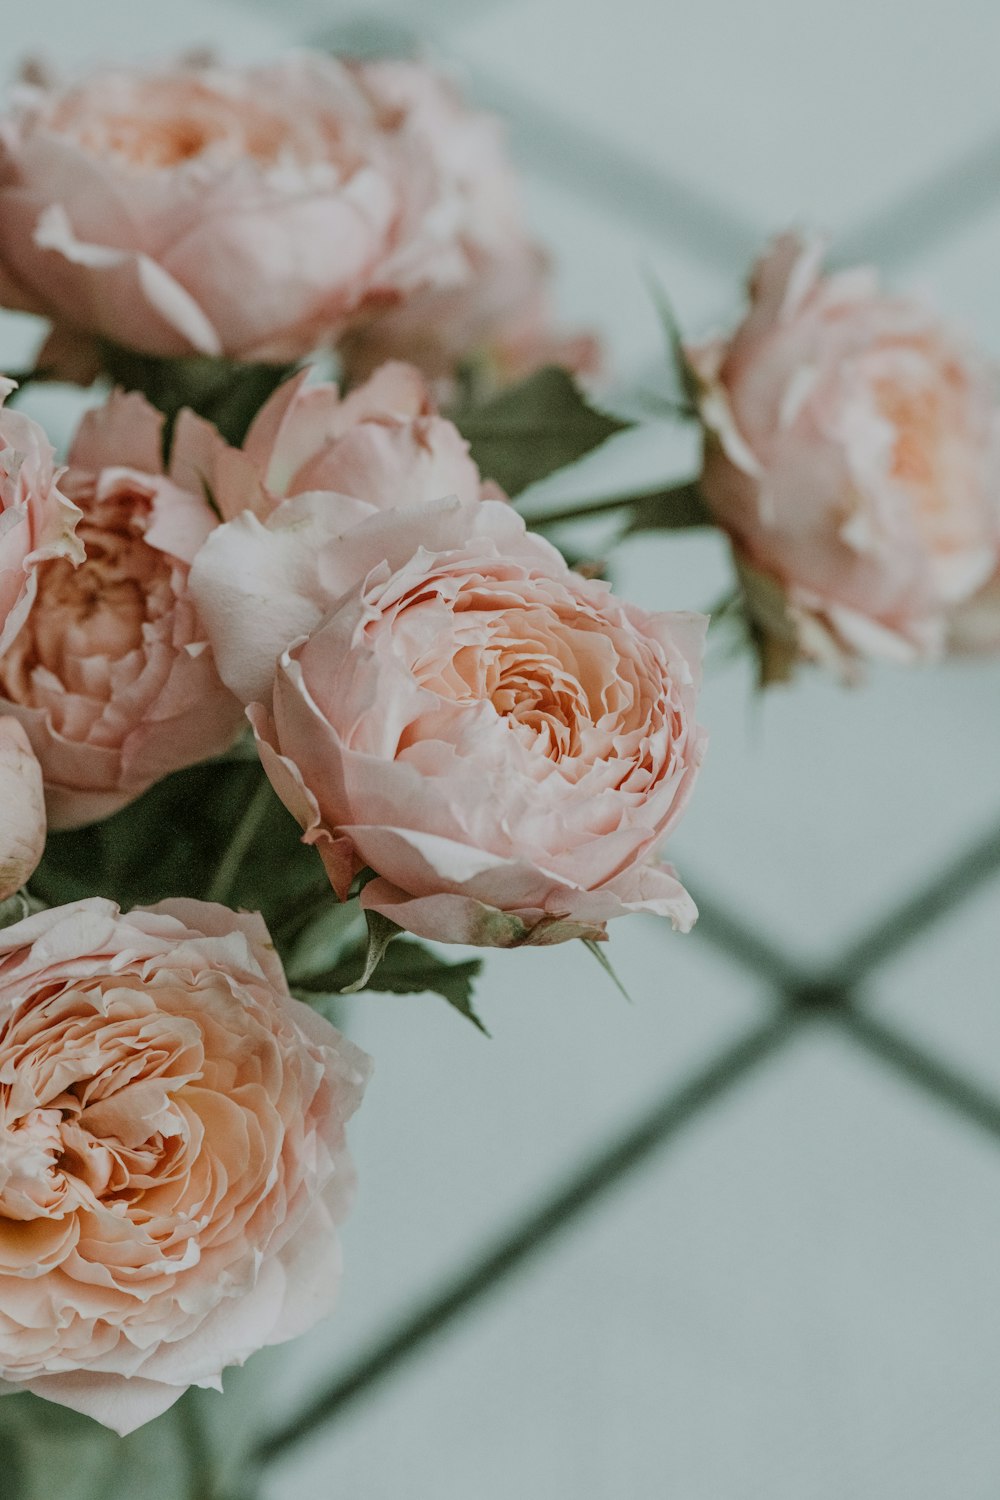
{"x": 37, "y": 521}
{"x": 246, "y": 212}
{"x": 172, "y": 1163}
{"x": 383, "y": 444}
{"x": 22, "y": 809}
{"x": 504, "y": 743}
{"x": 853, "y": 454}
{"x": 111, "y": 673}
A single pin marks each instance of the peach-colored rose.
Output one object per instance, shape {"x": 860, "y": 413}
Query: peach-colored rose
{"x": 37, "y": 521}
{"x": 246, "y": 212}
{"x": 22, "y": 808}
{"x": 853, "y": 453}
{"x": 172, "y": 1163}
{"x": 111, "y": 674}
{"x": 383, "y": 444}
{"x": 504, "y": 743}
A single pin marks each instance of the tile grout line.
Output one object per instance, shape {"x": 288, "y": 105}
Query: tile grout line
{"x": 539, "y": 1226}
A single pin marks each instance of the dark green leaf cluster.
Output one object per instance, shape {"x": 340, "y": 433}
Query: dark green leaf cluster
{"x": 403, "y": 967}
{"x": 530, "y": 430}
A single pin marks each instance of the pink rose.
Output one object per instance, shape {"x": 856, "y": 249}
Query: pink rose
{"x": 22, "y": 809}
{"x": 504, "y": 743}
{"x": 37, "y": 521}
{"x": 246, "y": 212}
{"x": 172, "y": 1163}
{"x": 383, "y": 444}
{"x": 260, "y": 213}
{"x": 853, "y": 454}
{"x": 111, "y": 674}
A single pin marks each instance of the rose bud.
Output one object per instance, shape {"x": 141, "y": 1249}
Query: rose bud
{"x": 383, "y": 444}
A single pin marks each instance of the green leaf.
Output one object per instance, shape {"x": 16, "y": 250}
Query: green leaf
{"x": 605, "y": 963}
{"x": 689, "y": 382}
{"x": 675, "y": 509}
{"x": 172, "y": 840}
{"x": 228, "y": 393}
{"x": 54, "y": 1451}
{"x": 320, "y": 936}
{"x": 534, "y": 428}
{"x": 407, "y": 967}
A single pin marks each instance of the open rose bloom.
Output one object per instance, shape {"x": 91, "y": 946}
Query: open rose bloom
{"x": 853, "y": 454}
{"x": 438, "y": 697}
{"x": 172, "y": 1162}
{"x": 261, "y": 213}
{"x": 110, "y": 672}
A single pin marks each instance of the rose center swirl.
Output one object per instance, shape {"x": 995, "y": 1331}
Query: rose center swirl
{"x": 92, "y": 1104}
{"x": 89, "y": 618}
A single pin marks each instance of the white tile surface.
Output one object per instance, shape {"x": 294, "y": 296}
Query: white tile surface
{"x": 789, "y": 1303}
{"x": 459, "y": 1133}
{"x": 784, "y": 110}
{"x": 77, "y": 36}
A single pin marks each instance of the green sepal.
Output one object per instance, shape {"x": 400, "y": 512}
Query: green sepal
{"x": 406, "y": 967}
{"x": 381, "y": 931}
{"x": 605, "y": 963}
{"x": 689, "y": 383}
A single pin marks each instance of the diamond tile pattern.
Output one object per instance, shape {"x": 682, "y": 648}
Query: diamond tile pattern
{"x": 798, "y": 1297}
{"x": 789, "y": 1302}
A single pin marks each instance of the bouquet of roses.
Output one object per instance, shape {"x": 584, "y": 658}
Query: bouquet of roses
{"x": 291, "y": 691}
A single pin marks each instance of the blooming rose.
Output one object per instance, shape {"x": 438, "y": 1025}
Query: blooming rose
{"x": 110, "y": 673}
{"x": 37, "y": 521}
{"x": 172, "y": 1162}
{"x": 853, "y": 453}
{"x": 258, "y": 212}
{"x": 22, "y": 808}
{"x": 382, "y": 442}
{"x": 201, "y": 209}
{"x": 437, "y": 696}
